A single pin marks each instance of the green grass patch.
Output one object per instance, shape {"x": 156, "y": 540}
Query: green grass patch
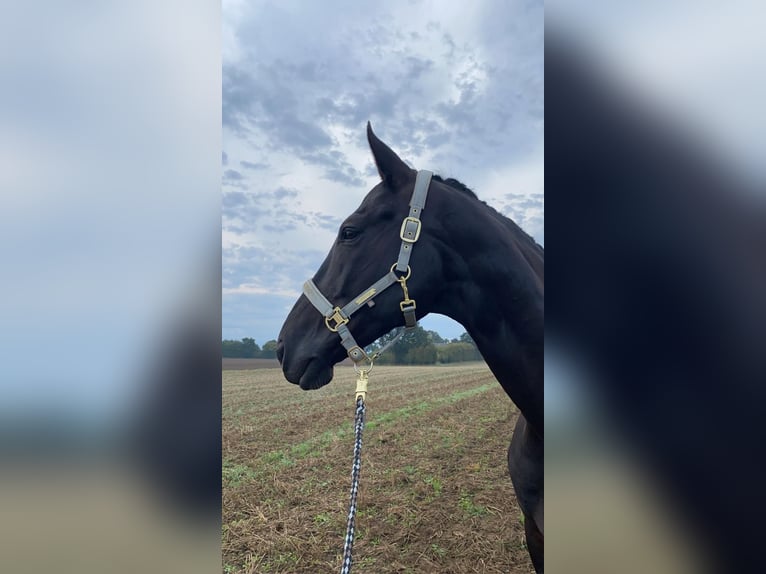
{"x": 435, "y": 483}
{"x": 318, "y": 443}
{"x": 322, "y": 519}
{"x": 404, "y": 413}
{"x": 277, "y": 458}
{"x": 469, "y": 507}
{"x": 237, "y": 474}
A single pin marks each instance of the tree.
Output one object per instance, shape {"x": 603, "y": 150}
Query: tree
{"x": 246, "y": 348}
{"x": 458, "y": 352}
{"x": 425, "y": 355}
{"x": 411, "y": 339}
{"x": 466, "y": 338}
{"x": 401, "y": 352}
{"x": 249, "y": 347}
{"x": 231, "y": 349}
{"x": 435, "y": 338}
{"x": 269, "y": 350}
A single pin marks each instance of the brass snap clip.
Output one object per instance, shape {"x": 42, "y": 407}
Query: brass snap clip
{"x": 362, "y": 378}
{"x": 361, "y": 384}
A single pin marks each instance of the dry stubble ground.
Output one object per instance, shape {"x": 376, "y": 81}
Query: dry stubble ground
{"x": 435, "y": 494}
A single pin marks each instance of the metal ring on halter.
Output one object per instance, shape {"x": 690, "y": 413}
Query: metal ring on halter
{"x": 409, "y": 272}
{"x": 366, "y": 369}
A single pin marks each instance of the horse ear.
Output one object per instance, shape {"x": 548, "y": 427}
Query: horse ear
{"x": 390, "y": 166}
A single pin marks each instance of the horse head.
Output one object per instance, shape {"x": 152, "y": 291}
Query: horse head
{"x": 360, "y": 272}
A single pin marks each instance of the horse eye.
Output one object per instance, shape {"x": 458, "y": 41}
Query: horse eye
{"x": 348, "y": 233}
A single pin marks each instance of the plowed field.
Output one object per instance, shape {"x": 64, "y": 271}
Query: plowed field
{"x": 435, "y": 494}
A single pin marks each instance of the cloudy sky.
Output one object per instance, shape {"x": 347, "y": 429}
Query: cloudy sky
{"x": 456, "y": 88}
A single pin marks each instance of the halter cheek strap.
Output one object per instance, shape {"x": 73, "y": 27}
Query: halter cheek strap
{"x": 336, "y": 318}
{"x": 410, "y": 231}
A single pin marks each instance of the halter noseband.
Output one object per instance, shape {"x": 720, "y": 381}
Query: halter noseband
{"x": 336, "y": 318}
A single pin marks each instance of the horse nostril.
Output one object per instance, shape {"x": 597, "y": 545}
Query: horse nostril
{"x": 280, "y": 351}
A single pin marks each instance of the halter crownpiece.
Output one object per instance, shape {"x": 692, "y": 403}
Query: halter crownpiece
{"x": 336, "y": 318}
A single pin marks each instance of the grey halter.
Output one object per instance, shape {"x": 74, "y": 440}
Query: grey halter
{"x": 336, "y": 318}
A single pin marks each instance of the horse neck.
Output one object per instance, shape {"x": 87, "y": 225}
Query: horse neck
{"x": 494, "y": 288}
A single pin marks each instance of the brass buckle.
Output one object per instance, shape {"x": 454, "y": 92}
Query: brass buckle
{"x": 338, "y": 318}
{"x": 416, "y": 221}
{"x": 409, "y": 303}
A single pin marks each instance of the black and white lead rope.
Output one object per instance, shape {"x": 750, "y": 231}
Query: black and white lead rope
{"x": 348, "y": 545}
{"x": 336, "y": 319}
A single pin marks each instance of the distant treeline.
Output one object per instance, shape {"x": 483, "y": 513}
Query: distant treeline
{"x": 416, "y": 347}
{"x": 421, "y": 347}
{"x": 247, "y": 348}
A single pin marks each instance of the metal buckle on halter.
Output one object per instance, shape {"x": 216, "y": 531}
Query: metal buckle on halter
{"x": 410, "y": 236}
{"x": 339, "y": 319}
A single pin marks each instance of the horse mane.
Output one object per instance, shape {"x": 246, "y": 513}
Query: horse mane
{"x": 460, "y": 186}
{"x": 455, "y": 184}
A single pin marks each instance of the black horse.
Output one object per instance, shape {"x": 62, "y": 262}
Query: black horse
{"x": 470, "y": 263}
